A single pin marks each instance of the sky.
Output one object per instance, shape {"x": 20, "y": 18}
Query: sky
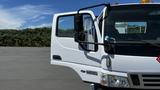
{"x": 20, "y": 14}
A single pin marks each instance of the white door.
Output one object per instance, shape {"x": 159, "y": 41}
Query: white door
{"x": 65, "y": 49}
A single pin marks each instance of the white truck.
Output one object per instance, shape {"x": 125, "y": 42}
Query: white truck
{"x": 119, "y": 49}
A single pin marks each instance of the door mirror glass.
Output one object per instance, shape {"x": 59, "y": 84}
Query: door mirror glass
{"x": 89, "y": 31}
{"x": 79, "y": 33}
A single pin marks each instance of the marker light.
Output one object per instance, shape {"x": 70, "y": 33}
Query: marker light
{"x": 145, "y": 1}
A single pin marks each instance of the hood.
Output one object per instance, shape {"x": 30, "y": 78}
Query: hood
{"x": 135, "y": 64}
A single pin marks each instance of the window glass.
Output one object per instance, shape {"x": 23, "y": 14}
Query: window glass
{"x": 135, "y": 30}
{"x": 66, "y": 26}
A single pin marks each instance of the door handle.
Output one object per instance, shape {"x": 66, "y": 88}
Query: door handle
{"x": 57, "y": 57}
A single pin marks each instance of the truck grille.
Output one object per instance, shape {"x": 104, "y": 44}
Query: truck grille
{"x": 151, "y": 80}
{"x": 145, "y": 81}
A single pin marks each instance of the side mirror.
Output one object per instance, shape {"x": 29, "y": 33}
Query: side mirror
{"x": 85, "y": 32}
{"x": 110, "y": 44}
{"x": 110, "y": 39}
{"x": 79, "y": 37}
{"x": 79, "y": 32}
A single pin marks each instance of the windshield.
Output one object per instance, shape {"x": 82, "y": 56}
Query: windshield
{"x": 135, "y": 29}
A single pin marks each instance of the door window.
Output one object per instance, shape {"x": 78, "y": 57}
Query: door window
{"x": 65, "y": 26}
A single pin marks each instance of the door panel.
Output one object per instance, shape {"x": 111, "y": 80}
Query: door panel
{"x": 64, "y": 45}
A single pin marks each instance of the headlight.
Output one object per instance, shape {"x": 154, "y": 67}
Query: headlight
{"x": 118, "y": 81}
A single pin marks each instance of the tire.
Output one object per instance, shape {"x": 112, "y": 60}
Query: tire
{"x": 96, "y": 87}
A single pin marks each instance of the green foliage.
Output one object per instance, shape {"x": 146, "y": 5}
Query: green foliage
{"x": 39, "y": 37}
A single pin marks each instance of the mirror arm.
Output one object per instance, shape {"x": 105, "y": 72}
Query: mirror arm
{"x": 81, "y": 42}
{"x": 99, "y": 5}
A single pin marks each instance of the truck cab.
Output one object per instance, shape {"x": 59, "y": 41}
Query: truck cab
{"x": 118, "y": 49}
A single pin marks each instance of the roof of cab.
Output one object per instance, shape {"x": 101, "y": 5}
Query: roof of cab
{"x": 127, "y": 4}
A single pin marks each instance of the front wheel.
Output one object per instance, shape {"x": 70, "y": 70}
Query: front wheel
{"x": 96, "y": 87}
